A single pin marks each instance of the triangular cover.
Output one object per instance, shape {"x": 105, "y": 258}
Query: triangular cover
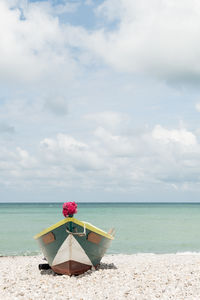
{"x": 71, "y": 250}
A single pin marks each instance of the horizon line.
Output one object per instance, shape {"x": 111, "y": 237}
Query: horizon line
{"x": 100, "y": 202}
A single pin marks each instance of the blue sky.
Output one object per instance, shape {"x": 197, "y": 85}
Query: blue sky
{"x": 100, "y": 100}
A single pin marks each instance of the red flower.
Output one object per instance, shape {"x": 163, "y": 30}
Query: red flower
{"x": 69, "y": 208}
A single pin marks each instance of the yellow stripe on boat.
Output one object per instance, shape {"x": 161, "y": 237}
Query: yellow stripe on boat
{"x": 64, "y": 221}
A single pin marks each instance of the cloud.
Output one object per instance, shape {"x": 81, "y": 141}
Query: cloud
{"x": 109, "y": 119}
{"x": 115, "y": 145}
{"x": 32, "y": 48}
{"x": 158, "y": 157}
{"x": 70, "y": 153}
{"x": 18, "y": 167}
{"x": 197, "y": 106}
{"x": 5, "y": 128}
{"x": 180, "y": 136}
{"x": 57, "y": 105}
{"x": 49, "y": 65}
{"x": 40, "y": 46}
{"x": 149, "y": 37}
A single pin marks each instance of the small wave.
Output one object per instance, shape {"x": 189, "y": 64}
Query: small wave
{"x": 187, "y": 253}
{"x": 155, "y": 253}
{"x": 20, "y": 253}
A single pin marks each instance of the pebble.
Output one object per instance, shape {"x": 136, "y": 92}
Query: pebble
{"x": 130, "y": 277}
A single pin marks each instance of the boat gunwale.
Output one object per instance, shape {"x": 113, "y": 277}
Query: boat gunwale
{"x": 76, "y": 221}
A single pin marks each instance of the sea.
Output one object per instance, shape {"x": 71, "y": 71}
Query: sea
{"x": 140, "y": 227}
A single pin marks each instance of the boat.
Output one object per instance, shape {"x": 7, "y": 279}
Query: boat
{"x": 73, "y": 247}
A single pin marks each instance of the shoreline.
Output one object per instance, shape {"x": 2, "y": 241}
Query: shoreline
{"x": 120, "y": 276}
{"x": 112, "y": 254}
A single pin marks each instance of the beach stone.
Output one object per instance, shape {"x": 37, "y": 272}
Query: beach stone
{"x": 130, "y": 277}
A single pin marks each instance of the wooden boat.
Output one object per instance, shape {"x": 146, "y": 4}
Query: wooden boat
{"x": 73, "y": 247}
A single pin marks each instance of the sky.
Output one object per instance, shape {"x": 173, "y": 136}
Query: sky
{"x": 99, "y": 100}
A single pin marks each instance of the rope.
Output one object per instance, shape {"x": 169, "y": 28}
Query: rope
{"x": 78, "y": 233}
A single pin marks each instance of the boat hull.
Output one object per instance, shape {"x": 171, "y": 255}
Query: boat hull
{"x": 73, "y": 247}
{"x": 71, "y": 267}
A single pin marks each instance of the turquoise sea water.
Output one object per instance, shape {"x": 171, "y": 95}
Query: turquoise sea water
{"x": 154, "y": 228}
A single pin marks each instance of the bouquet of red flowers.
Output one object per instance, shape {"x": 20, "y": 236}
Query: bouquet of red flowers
{"x": 69, "y": 208}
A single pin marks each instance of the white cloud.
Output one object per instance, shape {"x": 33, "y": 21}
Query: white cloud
{"x": 114, "y": 145}
{"x": 70, "y": 153}
{"x": 163, "y": 157}
{"x": 32, "y": 47}
{"x": 18, "y": 167}
{"x": 153, "y": 37}
{"x": 47, "y": 65}
{"x": 109, "y": 119}
{"x": 197, "y": 106}
{"x": 24, "y": 158}
{"x": 181, "y": 136}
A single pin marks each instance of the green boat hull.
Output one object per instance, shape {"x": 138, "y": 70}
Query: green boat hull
{"x": 72, "y": 247}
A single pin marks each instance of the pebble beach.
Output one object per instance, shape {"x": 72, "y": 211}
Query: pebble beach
{"x": 137, "y": 276}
